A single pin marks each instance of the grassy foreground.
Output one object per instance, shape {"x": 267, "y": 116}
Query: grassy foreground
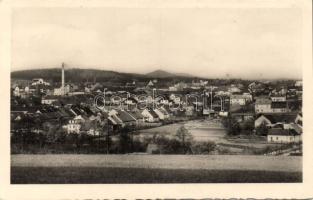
{"x": 61, "y": 175}
{"x": 52, "y": 168}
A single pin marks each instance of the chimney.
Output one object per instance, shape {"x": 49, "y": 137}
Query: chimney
{"x": 63, "y": 79}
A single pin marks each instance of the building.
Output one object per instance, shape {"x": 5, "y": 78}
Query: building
{"x": 63, "y": 90}
{"x": 150, "y": 115}
{"x": 263, "y": 105}
{"x": 162, "y": 113}
{"x": 278, "y": 135}
{"x": 39, "y": 81}
{"x": 298, "y": 84}
{"x": 48, "y": 100}
{"x": 278, "y": 98}
{"x": 273, "y": 119}
{"x": 122, "y": 118}
{"x": 242, "y": 117}
{"x": 73, "y": 126}
{"x": 240, "y": 99}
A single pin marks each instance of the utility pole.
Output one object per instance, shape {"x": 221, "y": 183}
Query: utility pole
{"x": 211, "y": 94}
{"x": 108, "y": 137}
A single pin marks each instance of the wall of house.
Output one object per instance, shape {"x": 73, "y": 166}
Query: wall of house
{"x": 283, "y": 138}
{"x": 261, "y": 120}
{"x": 263, "y": 108}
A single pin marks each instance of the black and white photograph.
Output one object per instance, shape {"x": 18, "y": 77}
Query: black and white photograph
{"x": 157, "y": 94}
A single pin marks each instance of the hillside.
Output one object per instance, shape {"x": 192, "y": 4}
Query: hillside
{"x": 83, "y": 75}
{"x": 164, "y": 74}
{"x": 76, "y": 75}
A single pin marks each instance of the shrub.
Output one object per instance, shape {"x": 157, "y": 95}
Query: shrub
{"x": 203, "y": 147}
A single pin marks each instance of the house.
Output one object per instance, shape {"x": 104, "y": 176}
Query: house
{"x": 90, "y": 127}
{"x": 73, "y": 126}
{"x": 263, "y": 105}
{"x": 240, "y": 99}
{"x": 279, "y": 107}
{"x": 298, "y": 84}
{"x": 298, "y": 119}
{"x": 272, "y": 119}
{"x": 150, "y": 84}
{"x": 138, "y": 116}
{"x": 150, "y": 115}
{"x": 39, "y": 81}
{"x": 278, "y": 135}
{"x": 278, "y": 98}
{"x": 242, "y": 117}
{"x": 48, "y": 100}
{"x": 233, "y": 89}
{"x": 162, "y": 113}
{"x": 189, "y": 110}
{"x": 122, "y": 117}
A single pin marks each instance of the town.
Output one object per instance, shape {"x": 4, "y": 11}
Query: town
{"x": 156, "y": 115}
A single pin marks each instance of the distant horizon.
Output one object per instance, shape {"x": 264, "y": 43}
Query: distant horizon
{"x": 190, "y": 75}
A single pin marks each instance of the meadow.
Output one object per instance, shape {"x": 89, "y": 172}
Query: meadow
{"x": 154, "y": 169}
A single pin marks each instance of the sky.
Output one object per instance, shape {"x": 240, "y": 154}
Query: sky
{"x": 208, "y": 42}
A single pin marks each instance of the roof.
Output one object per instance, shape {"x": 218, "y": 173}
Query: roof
{"x": 88, "y": 125}
{"x": 124, "y": 116}
{"x": 262, "y": 101}
{"x": 281, "y": 132}
{"x": 279, "y": 105}
{"x": 297, "y": 128}
{"x": 136, "y": 114}
{"x": 161, "y": 111}
{"x": 237, "y": 96}
{"x": 281, "y": 117}
{"x": 154, "y": 115}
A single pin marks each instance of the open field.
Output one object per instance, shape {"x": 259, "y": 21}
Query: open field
{"x": 153, "y": 168}
{"x": 92, "y": 175}
{"x": 201, "y": 130}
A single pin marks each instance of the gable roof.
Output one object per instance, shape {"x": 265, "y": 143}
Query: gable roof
{"x": 282, "y": 132}
{"x": 136, "y": 114}
{"x": 154, "y": 115}
{"x": 263, "y": 101}
{"x": 124, "y": 116}
{"x": 280, "y": 117}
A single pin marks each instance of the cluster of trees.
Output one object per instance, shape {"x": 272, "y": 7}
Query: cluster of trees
{"x": 55, "y": 140}
{"x": 247, "y": 127}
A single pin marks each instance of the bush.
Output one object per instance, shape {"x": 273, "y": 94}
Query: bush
{"x": 203, "y": 147}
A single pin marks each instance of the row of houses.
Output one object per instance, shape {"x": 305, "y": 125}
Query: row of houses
{"x": 282, "y": 127}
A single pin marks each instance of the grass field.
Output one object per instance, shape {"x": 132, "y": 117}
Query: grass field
{"x": 153, "y": 169}
{"x": 61, "y": 175}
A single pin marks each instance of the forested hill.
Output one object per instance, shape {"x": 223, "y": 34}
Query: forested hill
{"x": 75, "y": 75}
{"x": 82, "y": 75}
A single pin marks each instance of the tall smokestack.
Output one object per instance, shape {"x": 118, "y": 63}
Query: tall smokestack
{"x": 63, "y": 79}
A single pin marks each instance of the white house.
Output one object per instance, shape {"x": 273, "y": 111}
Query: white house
{"x": 48, "y": 100}
{"x": 61, "y": 91}
{"x": 263, "y": 105}
{"x": 16, "y": 91}
{"x": 277, "y": 135}
{"x": 240, "y": 99}
{"x": 39, "y": 81}
{"x": 298, "y": 84}
{"x": 278, "y": 98}
{"x": 73, "y": 126}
